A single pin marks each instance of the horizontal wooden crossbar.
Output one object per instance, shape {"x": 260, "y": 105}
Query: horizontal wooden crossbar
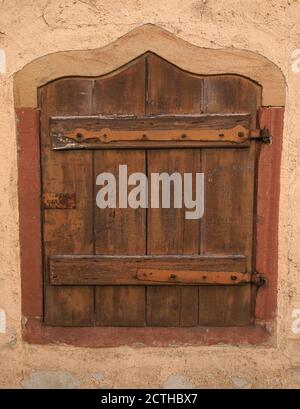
{"x": 102, "y": 132}
{"x": 148, "y": 270}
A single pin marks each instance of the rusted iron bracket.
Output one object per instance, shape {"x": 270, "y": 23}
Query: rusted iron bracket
{"x": 238, "y": 134}
{"x": 262, "y": 135}
{"x": 200, "y": 277}
{"x": 259, "y": 280}
{"x": 193, "y": 277}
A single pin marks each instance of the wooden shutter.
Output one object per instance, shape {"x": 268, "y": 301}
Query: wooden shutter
{"x": 148, "y": 267}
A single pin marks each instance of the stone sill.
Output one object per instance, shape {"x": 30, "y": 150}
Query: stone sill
{"x": 36, "y": 332}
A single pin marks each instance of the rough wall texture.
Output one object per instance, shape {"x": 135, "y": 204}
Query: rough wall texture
{"x": 30, "y": 29}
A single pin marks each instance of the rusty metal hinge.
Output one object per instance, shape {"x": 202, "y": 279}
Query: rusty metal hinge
{"x": 258, "y": 279}
{"x": 262, "y": 135}
{"x": 193, "y": 276}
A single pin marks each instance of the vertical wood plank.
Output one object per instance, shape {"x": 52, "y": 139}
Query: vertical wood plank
{"x": 172, "y": 91}
{"x": 231, "y": 94}
{"x": 122, "y": 92}
{"x": 172, "y": 306}
{"x": 225, "y": 306}
{"x": 169, "y": 232}
{"x": 68, "y": 231}
{"x": 120, "y": 231}
{"x": 122, "y": 306}
{"x": 227, "y": 225}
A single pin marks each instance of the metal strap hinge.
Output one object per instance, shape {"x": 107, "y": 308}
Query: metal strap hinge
{"x": 199, "y": 277}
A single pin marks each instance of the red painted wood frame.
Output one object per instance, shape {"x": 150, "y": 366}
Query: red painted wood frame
{"x": 34, "y": 329}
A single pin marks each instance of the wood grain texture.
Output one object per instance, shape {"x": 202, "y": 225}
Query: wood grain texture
{"x": 160, "y": 122}
{"x": 228, "y": 223}
{"x": 225, "y": 306}
{"x": 68, "y": 230}
{"x": 229, "y": 93}
{"x": 123, "y": 92}
{"x": 172, "y": 306}
{"x": 106, "y": 132}
{"x": 120, "y": 306}
{"x": 117, "y": 270}
{"x": 169, "y": 232}
{"x": 170, "y": 91}
{"x": 120, "y": 231}
{"x": 229, "y": 187}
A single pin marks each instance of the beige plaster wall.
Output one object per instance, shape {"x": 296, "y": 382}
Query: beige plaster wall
{"x": 30, "y": 29}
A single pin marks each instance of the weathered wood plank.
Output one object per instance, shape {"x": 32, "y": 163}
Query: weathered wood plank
{"x": 117, "y": 270}
{"x": 172, "y": 91}
{"x": 225, "y": 306}
{"x": 104, "y": 132}
{"x": 229, "y": 93}
{"x": 227, "y": 225}
{"x": 172, "y": 306}
{"x": 69, "y": 230}
{"x": 120, "y": 306}
{"x": 121, "y": 230}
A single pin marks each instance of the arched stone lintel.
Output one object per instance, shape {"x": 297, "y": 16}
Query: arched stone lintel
{"x": 197, "y": 60}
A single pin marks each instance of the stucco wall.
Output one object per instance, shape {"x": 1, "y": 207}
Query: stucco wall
{"x": 30, "y": 29}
